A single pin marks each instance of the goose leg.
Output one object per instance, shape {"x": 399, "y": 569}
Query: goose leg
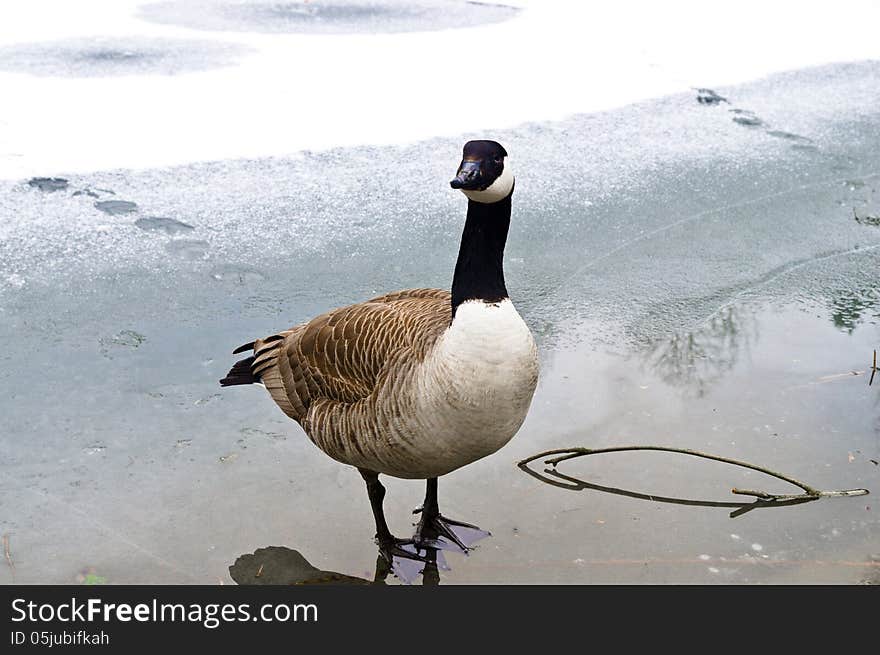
{"x": 431, "y": 572}
{"x": 389, "y": 546}
{"x": 433, "y": 528}
{"x": 376, "y": 492}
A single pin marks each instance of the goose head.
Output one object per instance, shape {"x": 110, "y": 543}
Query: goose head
{"x": 484, "y": 174}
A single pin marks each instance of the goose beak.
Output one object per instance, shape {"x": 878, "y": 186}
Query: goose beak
{"x": 469, "y": 176}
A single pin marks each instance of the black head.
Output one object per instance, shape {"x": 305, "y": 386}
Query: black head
{"x": 484, "y": 174}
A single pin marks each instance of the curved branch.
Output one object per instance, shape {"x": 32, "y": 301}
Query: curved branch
{"x": 810, "y": 493}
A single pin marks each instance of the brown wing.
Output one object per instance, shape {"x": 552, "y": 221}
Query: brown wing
{"x": 342, "y": 355}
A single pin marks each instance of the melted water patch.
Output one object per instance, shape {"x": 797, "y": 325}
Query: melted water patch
{"x": 107, "y": 56}
{"x": 326, "y": 16}
{"x": 169, "y": 226}
{"x": 788, "y": 136}
{"x": 191, "y": 249}
{"x": 121, "y": 340}
{"x": 237, "y": 274}
{"x": 709, "y": 97}
{"x": 48, "y": 184}
{"x": 746, "y": 118}
{"x": 116, "y": 207}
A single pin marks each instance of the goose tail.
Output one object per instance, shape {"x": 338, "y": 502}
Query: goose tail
{"x": 240, "y": 373}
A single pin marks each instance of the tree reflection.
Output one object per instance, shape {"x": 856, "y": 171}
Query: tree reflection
{"x": 850, "y": 307}
{"x": 698, "y": 358}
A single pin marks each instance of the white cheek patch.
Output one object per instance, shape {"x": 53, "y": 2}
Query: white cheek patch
{"x": 498, "y": 190}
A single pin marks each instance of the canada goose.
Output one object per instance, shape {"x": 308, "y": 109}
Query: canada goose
{"x": 415, "y": 383}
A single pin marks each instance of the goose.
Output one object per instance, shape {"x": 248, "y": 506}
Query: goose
{"x": 416, "y": 383}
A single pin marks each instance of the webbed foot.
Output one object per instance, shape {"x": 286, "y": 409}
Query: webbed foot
{"x": 408, "y": 559}
{"x": 437, "y": 531}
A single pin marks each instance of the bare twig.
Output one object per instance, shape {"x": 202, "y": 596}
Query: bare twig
{"x": 825, "y": 379}
{"x": 553, "y": 477}
{"x": 820, "y": 494}
{"x": 7, "y": 554}
{"x": 837, "y": 376}
{"x": 563, "y": 454}
{"x": 867, "y": 219}
{"x": 873, "y": 369}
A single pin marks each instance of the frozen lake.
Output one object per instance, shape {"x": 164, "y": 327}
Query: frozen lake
{"x": 697, "y": 274}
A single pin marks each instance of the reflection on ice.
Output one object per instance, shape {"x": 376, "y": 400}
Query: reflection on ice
{"x": 697, "y": 358}
{"x": 850, "y": 307}
{"x": 279, "y": 565}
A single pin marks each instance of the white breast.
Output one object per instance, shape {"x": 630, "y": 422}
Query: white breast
{"x": 475, "y": 388}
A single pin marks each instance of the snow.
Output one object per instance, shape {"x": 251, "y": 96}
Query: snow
{"x": 293, "y": 91}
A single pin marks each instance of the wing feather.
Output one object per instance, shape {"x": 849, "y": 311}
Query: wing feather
{"x": 343, "y": 355}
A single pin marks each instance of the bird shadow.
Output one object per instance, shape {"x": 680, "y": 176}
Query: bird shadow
{"x": 562, "y": 481}
{"x": 279, "y": 565}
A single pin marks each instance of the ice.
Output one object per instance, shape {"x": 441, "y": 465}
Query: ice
{"x": 127, "y": 338}
{"x": 116, "y": 207}
{"x": 326, "y": 16}
{"x": 690, "y": 281}
{"x": 48, "y": 184}
{"x": 237, "y": 274}
{"x": 709, "y": 97}
{"x": 192, "y": 94}
{"x": 118, "y": 55}
{"x": 746, "y": 118}
{"x": 169, "y": 226}
{"x": 192, "y": 249}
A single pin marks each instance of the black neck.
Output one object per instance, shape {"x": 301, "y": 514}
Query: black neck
{"x": 479, "y": 271}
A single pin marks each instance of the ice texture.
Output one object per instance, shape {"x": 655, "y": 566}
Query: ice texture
{"x": 326, "y": 16}
{"x": 157, "y": 94}
{"x": 118, "y": 55}
{"x": 691, "y": 280}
